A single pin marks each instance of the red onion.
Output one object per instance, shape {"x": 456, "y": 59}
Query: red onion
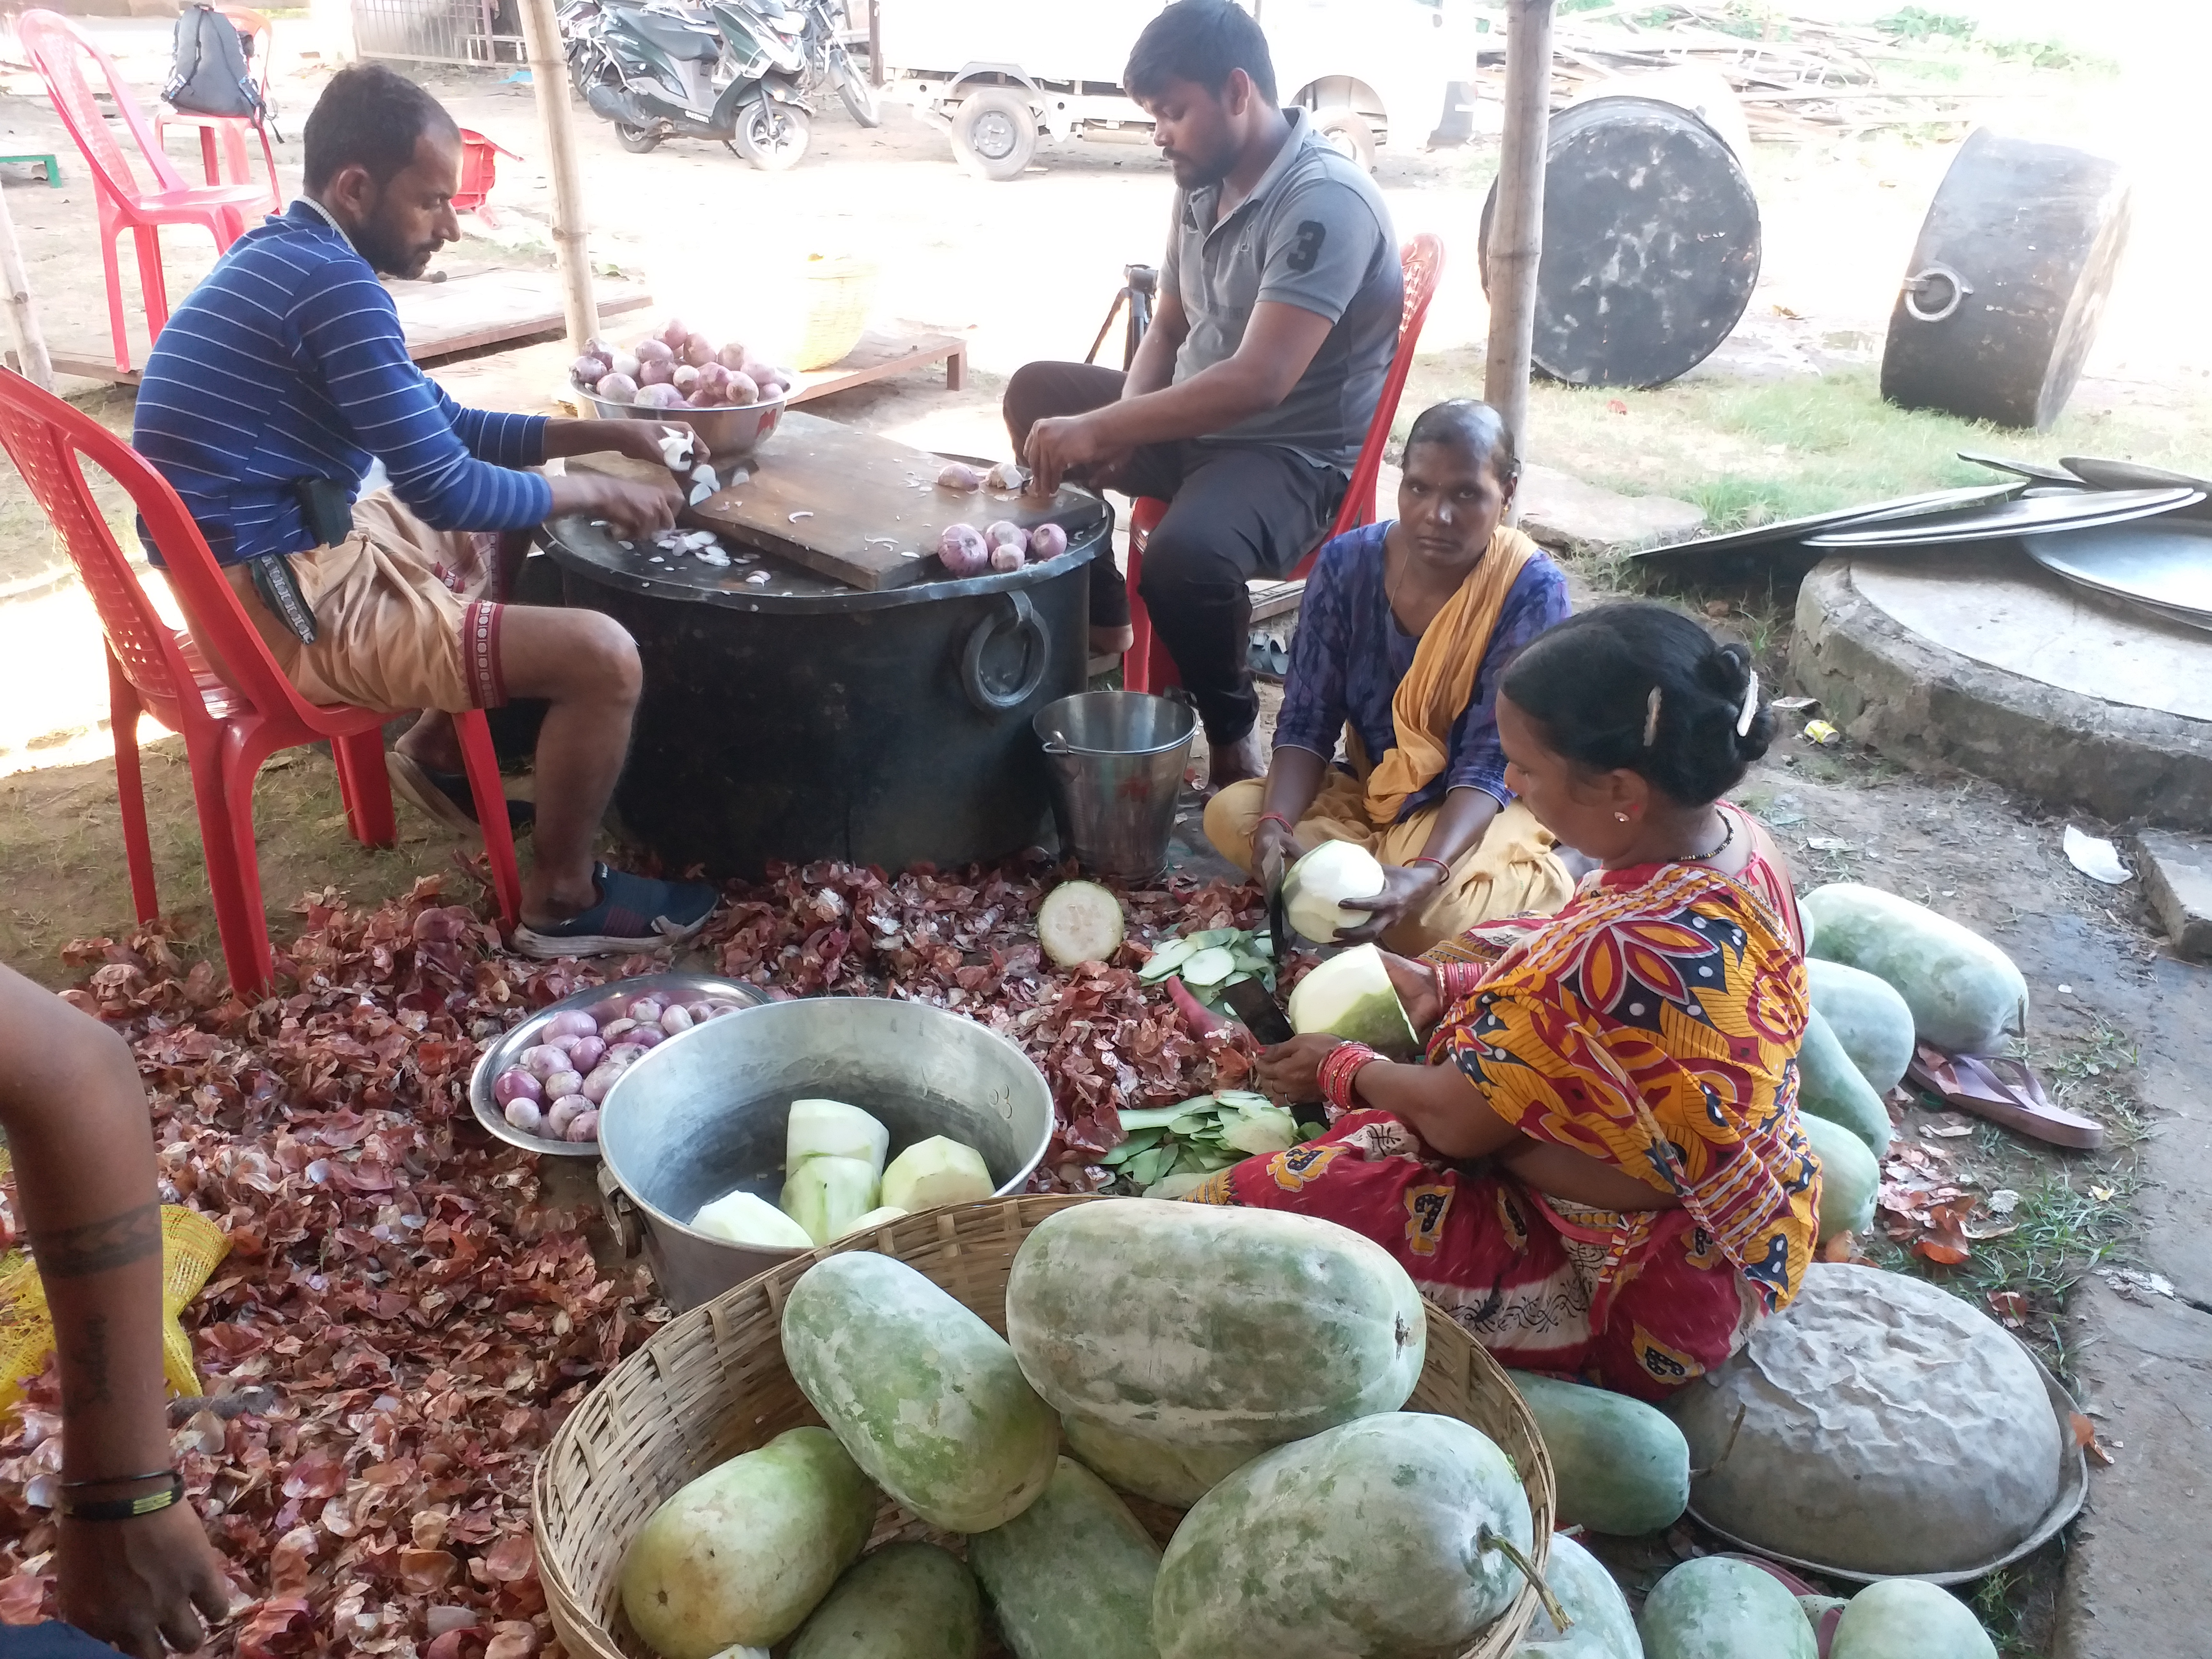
{"x": 685, "y": 380}
{"x": 590, "y": 370}
{"x": 584, "y": 1126}
{"x": 659, "y": 397}
{"x": 563, "y": 1083}
{"x": 562, "y": 1112}
{"x": 702, "y": 1011}
{"x": 587, "y": 1053}
{"x": 626, "y": 364}
{"x": 958, "y": 475}
{"x": 543, "y": 1060}
{"x": 646, "y": 1037}
{"x": 1007, "y": 533}
{"x": 698, "y": 349}
{"x": 614, "y": 1028}
{"x": 647, "y": 1010}
{"x": 617, "y": 389}
{"x": 515, "y": 1084}
{"x": 675, "y": 1020}
{"x": 675, "y": 333}
{"x": 655, "y": 351}
{"x": 1047, "y": 541}
{"x": 574, "y": 1021}
{"x": 566, "y": 1042}
{"x": 602, "y": 1080}
{"x": 1007, "y": 556}
{"x": 660, "y": 371}
{"x": 625, "y": 1053}
{"x": 731, "y": 356}
{"x": 962, "y": 550}
{"x": 524, "y": 1115}
{"x": 741, "y": 389}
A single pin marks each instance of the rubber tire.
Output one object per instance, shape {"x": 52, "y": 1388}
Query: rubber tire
{"x": 1014, "y": 116}
{"x": 1349, "y": 133}
{"x": 863, "y": 102}
{"x": 638, "y": 141}
{"x": 767, "y": 158}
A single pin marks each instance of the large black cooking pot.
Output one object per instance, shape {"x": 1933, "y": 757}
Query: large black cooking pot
{"x": 801, "y": 719}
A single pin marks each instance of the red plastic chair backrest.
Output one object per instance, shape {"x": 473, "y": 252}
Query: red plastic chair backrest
{"x": 1423, "y": 263}
{"x": 56, "y": 48}
{"x": 48, "y": 439}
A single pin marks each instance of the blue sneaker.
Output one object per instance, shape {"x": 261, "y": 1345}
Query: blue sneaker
{"x": 635, "y": 912}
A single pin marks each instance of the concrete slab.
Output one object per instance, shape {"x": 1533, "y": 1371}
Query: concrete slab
{"x": 2176, "y": 873}
{"x": 2046, "y": 705}
{"x": 2007, "y": 611}
{"x": 1581, "y": 519}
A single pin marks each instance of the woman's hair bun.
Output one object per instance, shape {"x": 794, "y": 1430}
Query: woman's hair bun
{"x": 1589, "y": 682}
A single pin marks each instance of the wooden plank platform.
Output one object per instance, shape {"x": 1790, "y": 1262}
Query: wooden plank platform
{"x": 534, "y": 379}
{"x": 470, "y": 310}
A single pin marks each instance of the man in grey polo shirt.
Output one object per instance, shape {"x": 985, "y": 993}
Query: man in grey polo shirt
{"x": 1248, "y": 400}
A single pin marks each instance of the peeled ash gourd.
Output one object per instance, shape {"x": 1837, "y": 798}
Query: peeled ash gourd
{"x": 926, "y": 1397}
{"x": 935, "y": 1171}
{"x": 1351, "y": 996}
{"x": 830, "y": 1128}
{"x": 1317, "y": 887}
{"x": 751, "y": 1222}
{"x": 827, "y": 1195}
{"x": 741, "y": 1555}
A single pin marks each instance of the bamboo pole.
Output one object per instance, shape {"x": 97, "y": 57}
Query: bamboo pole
{"x": 548, "y": 77}
{"x": 22, "y": 312}
{"x": 1516, "y": 231}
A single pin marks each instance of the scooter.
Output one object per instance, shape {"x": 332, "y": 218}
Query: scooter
{"x": 656, "y": 70}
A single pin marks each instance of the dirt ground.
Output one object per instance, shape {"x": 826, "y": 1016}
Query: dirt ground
{"x": 1027, "y": 270}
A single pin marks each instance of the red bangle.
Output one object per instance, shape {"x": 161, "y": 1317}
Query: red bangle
{"x": 1456, "y": 980}
{"x": 1337, "y": 1075}
{"x": 1439, "y": 863}
{"x": 1275, "y": 817}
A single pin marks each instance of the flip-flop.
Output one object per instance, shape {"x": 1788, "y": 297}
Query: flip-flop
{"x": 2004, "y": 1091}
{"x": 446, "y": 796}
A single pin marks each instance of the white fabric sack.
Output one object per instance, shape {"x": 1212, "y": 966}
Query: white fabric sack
{"x": 1888, "y": 1427}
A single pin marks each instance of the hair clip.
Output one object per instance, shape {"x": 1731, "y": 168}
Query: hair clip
{"x": 1651, "y": 718}
{"x": 1749, "y": 712}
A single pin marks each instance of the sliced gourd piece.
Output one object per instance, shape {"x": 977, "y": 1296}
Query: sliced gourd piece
{"x": 1208, "y": 967}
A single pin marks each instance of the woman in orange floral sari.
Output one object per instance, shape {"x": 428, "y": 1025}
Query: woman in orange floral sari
{"x": 1599, "y": 1172}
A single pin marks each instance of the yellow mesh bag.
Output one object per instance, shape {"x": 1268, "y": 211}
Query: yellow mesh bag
{"x": 191, "y": 1245}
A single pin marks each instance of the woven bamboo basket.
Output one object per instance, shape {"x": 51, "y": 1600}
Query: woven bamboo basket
{"x": 841, "y": 290}
{"x": 712, "y": 1383}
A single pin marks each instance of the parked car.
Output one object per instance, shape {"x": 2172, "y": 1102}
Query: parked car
{"x": 1000, "y": 74}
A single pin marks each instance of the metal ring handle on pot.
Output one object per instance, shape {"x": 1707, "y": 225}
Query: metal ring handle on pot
{"x": 1933, "y": 277}
{"x": 621, "y": 1214}
{"x": 1038, "y": 648}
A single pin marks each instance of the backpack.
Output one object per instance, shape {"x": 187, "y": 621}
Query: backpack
{"x": 208, "y": 73}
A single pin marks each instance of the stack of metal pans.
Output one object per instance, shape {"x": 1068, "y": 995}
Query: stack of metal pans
{"x": 2137, "y": 533}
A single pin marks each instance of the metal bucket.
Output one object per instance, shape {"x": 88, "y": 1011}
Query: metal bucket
{"x": 705, "y": 1113}
{"x": 1116, "y": 760}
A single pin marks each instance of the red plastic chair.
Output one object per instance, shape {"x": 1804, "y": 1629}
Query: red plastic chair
{"x": 479, "y": 173}
{"x": 231, "y": 723}
{"x": 1147, "y": 666}
{"x": 56, "y": 47}
{"x": 231, "y": 130}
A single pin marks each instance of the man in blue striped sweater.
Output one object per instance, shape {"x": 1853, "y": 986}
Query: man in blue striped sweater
{"x": 265, "y": 400}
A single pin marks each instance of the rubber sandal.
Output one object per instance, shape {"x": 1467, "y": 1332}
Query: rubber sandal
{"x": 446, "y": 796}
{"x": 2004, "y": 1091}
{"x": 635, "y": 912}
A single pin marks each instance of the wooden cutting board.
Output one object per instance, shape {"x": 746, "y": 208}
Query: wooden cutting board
{"x": 853, "y": 506}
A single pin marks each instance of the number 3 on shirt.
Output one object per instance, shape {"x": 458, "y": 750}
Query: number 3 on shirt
{"x": 1311, "y": 235}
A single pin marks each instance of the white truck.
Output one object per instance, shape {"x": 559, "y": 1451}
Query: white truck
{"x": 1000, "y": 74}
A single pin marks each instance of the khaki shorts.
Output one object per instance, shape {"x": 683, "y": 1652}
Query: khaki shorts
{"x": 406, "y": 617}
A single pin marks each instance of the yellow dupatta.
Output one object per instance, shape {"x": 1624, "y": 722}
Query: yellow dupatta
{"x": 1436, "y": 689}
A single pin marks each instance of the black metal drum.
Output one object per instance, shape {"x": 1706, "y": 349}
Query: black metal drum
{"x": 1652, "y": 244}
{"x": 799, "y": 718}
{"x": 2008, "y": 282}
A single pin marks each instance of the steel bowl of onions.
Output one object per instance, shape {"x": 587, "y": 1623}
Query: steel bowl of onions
{"x": 733, "y": 410}
{"x": 539, "y": 1086}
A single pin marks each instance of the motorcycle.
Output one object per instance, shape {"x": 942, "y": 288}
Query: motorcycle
{"x": 828, "y": 63}
{"x": 729, "y": 71}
